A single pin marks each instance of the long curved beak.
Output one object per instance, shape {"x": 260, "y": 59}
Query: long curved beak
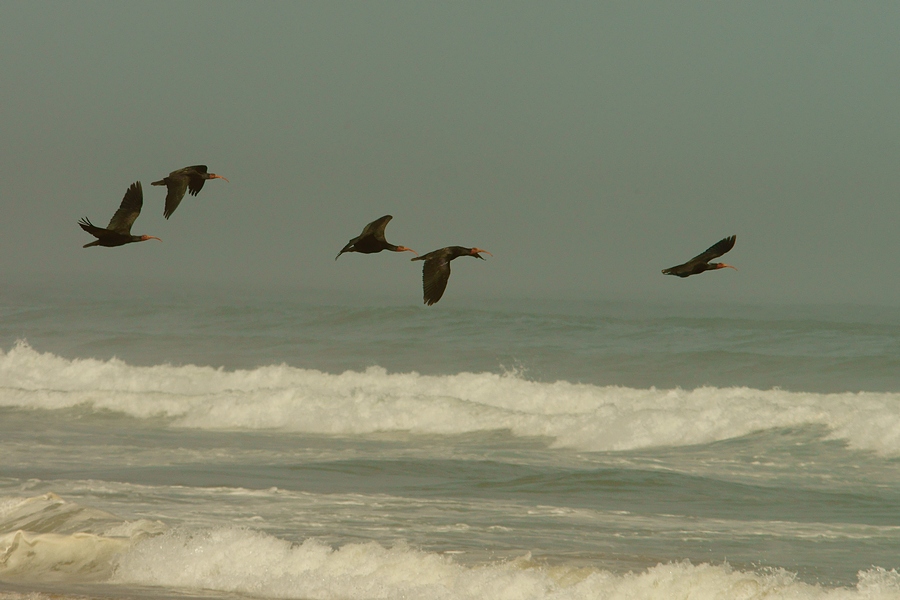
{"x": 724, "y": 266}
{"x": 405, "y": 249}
{"x": 214, "y": 176}
{"x": 475, "y": 252}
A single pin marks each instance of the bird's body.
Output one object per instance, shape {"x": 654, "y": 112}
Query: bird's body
{"x": 700, "y": 263}
{"x": 188, "y": 179}
{"x": 118, "y": 232}
{"x": 371, "y": 240}
{"x": 436, "y": 271}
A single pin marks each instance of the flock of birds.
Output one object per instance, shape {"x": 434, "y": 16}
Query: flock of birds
{"x": 435, "y": 272}
{"x": 118, "y": 232}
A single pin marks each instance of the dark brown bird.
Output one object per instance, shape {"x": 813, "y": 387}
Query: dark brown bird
{"x": 189, "y": 179}
{"x": 118, "y": 232}
{"x": 371, "y": 240}
{"x": 701, "y": 263}
{"x": 436, "y": 271}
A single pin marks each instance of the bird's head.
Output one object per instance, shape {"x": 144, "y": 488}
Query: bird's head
{"x": 144, "y": 238}
{"x": 214, "y": 176}
{"x": 405, "y": 249}
{"x": 474, "y": 252}
{"x": 721, "y": 266}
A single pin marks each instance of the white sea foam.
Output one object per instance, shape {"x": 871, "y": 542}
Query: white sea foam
{"x": 580, "y": 416}
{"x": 243, "y": 561}
{"x": 235, "y": 560}
{"x": 45, "y": 538}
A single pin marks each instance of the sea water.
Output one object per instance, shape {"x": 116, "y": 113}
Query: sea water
{"x": 178, "y": 445}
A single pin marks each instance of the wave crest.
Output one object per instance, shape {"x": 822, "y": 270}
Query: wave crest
{"x": 572, "y": 415}
{"x": 56, "y": 540}
{"x": 241, "y": 561}
{"x": 45, "y": 538}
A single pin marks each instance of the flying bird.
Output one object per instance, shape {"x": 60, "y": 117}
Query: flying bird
{"x": 189, "y": 179}
{"x": 436, "y": 271}
{"x": 118, "y": 232}
{"x": 371, "y": 240}
{"x": 701, "y": 263}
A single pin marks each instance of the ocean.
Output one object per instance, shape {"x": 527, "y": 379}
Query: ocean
{"x": 285, "y": 445}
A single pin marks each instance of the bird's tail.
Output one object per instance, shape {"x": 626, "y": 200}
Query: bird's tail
{"x": 160, "y": 182}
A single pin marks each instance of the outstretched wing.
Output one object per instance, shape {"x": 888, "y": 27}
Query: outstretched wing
{"x": 195, "y": 179}
{"x": 129, "y": 210}
{"x": 715, "y": 251}
{"x": 187, "y": 171}
{"x": 92, "y": 229}
{"x": 176, "y": 185}
{"x": 364, "y": 241}
{"x": 376, "y": 228}
{"x": 346, "y": 248}
{"x": 699, "y": 263}
{"x": 435, "y": 275}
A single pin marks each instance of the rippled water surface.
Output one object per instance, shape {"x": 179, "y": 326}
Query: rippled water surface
{"x": 178, "y": 444}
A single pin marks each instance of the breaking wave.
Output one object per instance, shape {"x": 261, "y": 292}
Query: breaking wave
{"x": 572, "y": 415}
{"x": 65, "y": 542}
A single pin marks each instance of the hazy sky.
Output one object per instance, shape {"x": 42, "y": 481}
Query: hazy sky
{"x": 587, "y": 145}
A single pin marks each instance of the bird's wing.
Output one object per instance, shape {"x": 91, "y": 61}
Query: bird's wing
{"x": 714, "y": 251}
{"x": 195, "y": 184}
{"x": 92, "y": 229}
{"x": 129, "y": 210}
{"x": 195, "y": 180}
{"x": 435, "y": 275}
{"x": 176, "y": 185}
{"x": 376, "y": 228}
{"x": 188, "y": 171}
{"x": 347, "y": 247}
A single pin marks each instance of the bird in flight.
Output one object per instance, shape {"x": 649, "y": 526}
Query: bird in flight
{"x": 371, "y": 240}
{"x": 700, "y": 263}
{"x": 436, "y": 271}
{"x": 118, "y": 232}
{"x": 190, "y": 179}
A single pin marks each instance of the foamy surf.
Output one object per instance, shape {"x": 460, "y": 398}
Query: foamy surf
{"x": 75, "y": 544}
{"x": 241, "y": 561}
{"x": 577, "y": 416}
{"x": 45, "y": 538}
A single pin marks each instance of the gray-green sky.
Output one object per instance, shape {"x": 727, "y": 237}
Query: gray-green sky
{"x": 587, "y": 145}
